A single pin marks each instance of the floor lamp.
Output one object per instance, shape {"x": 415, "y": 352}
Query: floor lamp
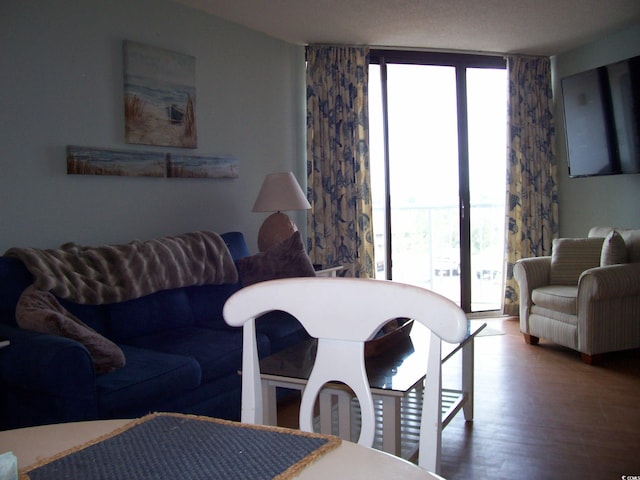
{"x": 279, "y": 192}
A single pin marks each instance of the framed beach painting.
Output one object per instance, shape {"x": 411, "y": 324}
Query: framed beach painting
{"x": 159, "y": 96}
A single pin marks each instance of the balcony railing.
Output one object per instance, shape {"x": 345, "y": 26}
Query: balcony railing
{"x": 426, "y": 250}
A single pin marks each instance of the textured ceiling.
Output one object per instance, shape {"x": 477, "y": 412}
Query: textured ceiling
{"x": 535, "y": 27}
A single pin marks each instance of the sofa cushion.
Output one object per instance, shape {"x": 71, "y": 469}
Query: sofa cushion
{"x": 282, "y": 330}
{"x": 95, "y": 316}
{"x": 14, "y": 278}
{"x": 148, "y": 379}
{"x": 284, "y": 260}
{"x": 40, "y": 311}
{"x": 207, "y": 302}
{"x": 236, "y": 244}
{"x": 560, "y": 298}
{"x": 572, "y": 256}
{"x": 614, "y": 250}
{"x": 159, "y": 311}
{"x": 217, "y": 352}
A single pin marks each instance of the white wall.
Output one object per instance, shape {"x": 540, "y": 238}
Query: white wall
{"x": 61, "y": 83}
{"x": 608, "y": 200}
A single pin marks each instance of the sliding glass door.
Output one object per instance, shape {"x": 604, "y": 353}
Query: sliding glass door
{"x": 435, "y": 170}
{"x": 487, "y": 132}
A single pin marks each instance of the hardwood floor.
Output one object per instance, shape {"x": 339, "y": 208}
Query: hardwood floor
{"x": 540, "y": 413}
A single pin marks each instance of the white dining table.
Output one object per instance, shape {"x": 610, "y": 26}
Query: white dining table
{"x": 349, "y": 460}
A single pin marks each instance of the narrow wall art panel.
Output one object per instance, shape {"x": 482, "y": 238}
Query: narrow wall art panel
{"x": 193, "y": 166}
{"x": 159, "y": 96}
{"x": 101, "y": 161}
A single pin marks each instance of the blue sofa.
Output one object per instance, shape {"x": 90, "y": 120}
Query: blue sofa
{"x": 180, "y": 354}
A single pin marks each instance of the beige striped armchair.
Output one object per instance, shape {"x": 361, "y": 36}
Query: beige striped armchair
{"x": 586, "y": 295}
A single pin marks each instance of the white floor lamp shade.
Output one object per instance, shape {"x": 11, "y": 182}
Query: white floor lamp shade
{"x": 279, "y": 192}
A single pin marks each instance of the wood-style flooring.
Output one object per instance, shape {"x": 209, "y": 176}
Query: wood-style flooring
{"x": 540, "y": 413}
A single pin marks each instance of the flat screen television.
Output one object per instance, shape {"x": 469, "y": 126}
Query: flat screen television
{"x": 602, "y": 119}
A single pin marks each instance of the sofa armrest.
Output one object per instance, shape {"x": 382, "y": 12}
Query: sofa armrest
{"x": 45, "y": 379}
{"x": 530, "y": 273}
{"x": 612, "y": 281}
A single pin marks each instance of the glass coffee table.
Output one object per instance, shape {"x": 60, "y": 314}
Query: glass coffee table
{"x": 396, "y": 377}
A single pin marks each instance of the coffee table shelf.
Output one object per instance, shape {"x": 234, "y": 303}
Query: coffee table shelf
{"x": 410, "y": 415}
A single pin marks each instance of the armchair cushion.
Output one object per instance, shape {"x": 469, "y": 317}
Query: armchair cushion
{"x": 614, "y": 250}
{"x": 561, "y": 298}
{"x": 572, "y": 256}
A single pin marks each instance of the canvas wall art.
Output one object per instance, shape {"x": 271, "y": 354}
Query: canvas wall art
{"x": 159, "y": 96}
{"x": 193, "y": 166}
{"x": 107, "y": 161}
{"x": 102, "y": 161}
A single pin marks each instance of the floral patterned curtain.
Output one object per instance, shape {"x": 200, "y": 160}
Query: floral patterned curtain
{"x": 340, "y": 221}
{"x": 532, "y": 198}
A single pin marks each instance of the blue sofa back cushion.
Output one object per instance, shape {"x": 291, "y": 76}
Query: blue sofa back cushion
{"x": 218, "y": 352}
{"x": 159, "y": 311}
{"x": 95, "y": 316}
{"x": 198, "y": 305}
{"x": 236, "y": 245}
{"x": 176, "y": 308}
{"x": 281, "y": 328}
{"x": 14, "y": 278}
{"x": 207, "y": 303}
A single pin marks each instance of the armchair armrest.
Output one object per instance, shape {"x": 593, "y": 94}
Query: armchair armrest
{"x": 612, "y": 281}
{"x": 608, "y": 305}
{"x": 530, "y": 273}
{"x": 44, "y": 379}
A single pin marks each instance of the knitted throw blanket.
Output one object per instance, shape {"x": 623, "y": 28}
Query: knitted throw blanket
{"x": 115, "y": 273}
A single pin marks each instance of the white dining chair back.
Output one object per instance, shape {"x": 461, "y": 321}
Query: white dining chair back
{"x": 342, "y": 313}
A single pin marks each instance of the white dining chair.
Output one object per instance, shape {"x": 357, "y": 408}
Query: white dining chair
{"x": 342, "y": 313}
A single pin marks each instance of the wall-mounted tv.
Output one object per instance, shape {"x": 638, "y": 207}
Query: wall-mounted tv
{"x": 602, "y": 119}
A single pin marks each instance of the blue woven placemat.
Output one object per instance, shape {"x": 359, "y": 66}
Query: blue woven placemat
{"x": 175, "y": 446}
